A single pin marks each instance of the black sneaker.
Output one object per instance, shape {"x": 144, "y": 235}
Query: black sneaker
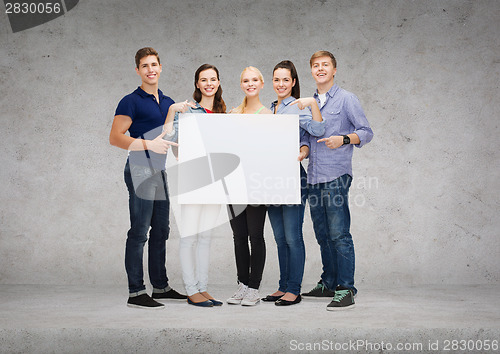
{"x": 144, "y": 301}
{"x": 343, "y": 299}
{"x": 169, "y": 295}
{"x": 320, "y": 291}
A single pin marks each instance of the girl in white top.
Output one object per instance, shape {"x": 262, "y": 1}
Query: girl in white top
{"x": 197, "y": 220}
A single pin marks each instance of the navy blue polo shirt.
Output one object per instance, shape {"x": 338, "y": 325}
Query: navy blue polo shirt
{"x": 148, "y": 118}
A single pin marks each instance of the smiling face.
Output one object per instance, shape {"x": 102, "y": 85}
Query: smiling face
{"x": 251, "y": 82}
{"x": 208, "y": 82}
{"x": 283, "y": 83}
{"x": 149, "y": 70}
{"x": 323, "y": 71}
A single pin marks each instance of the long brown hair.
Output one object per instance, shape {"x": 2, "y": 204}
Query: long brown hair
{"x": 287, "y": 64}
{"x": 219, "y": 104}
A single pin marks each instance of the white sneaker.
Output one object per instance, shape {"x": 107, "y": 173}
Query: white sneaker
{"x": 251, "y": 297}
{"x": 238, "y": 295}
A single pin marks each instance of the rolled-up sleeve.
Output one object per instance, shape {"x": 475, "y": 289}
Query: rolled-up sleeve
{"x": 313, "y": 127}
{"x": 174, "y": 134}
{"x": 358, "y": 119}
{"x": 304, "y": 138}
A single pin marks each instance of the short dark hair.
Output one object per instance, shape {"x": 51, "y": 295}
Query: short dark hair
{"x": 323, "y": 53}
{"x": 144, "y": 52}
{"x": 287, "y": 64}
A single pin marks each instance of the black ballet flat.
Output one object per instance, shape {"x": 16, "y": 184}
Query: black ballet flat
{"x": 281, "y": 302}
{"x": 271, "y": 298}
{"x": 206, "y": 303}
{"x": 216, "y": 302}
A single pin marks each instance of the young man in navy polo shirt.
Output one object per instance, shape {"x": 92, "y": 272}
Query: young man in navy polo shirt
{"x": 329, "y": 176}
{"x": 143, "y": 114}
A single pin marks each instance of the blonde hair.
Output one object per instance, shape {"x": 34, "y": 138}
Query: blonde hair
{"x": 242, "y": 106}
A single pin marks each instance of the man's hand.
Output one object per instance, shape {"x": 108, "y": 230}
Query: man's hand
{"x": 333, "y": 142}
{"x": 182, "y": 107}
{"x": 159, "y": 145}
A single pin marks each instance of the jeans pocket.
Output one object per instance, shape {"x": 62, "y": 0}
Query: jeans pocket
{"x": 139, "y": 174}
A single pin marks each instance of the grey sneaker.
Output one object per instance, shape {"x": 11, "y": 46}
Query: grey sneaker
{"x": 238, "y": 295}
{"x": 320, "y": 291}
{"x": 251, "y": 297}
{"x": 343, "y": 299}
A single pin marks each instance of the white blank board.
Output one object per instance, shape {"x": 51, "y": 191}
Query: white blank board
{"x": 238, "y": 159}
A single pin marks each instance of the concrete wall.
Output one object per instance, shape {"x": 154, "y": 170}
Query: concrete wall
{"x": 425, "y": 195}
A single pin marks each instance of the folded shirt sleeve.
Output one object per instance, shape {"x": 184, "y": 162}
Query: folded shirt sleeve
{"x": 358, "y": 119}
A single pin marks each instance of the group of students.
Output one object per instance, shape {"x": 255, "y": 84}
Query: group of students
{"x": 331, "y": 123}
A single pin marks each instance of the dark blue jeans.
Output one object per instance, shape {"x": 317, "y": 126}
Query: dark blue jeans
{"x": 332, "y": 221}
{"x": 150, "y": 212}
{"x": 286, "y": 221}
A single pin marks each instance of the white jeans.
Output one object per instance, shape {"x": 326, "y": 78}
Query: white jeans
{"x": 197, "y": 221}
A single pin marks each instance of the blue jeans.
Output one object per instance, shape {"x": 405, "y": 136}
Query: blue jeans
{"x": 286, "y": 221}
{"x": 331, "y": 221}
{"x": 151, "y": 210}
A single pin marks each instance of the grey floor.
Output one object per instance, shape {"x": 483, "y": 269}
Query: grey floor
{"x": 70, "y": 319}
